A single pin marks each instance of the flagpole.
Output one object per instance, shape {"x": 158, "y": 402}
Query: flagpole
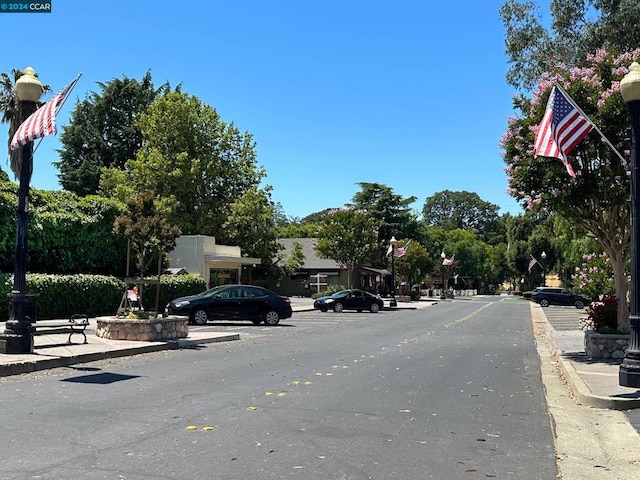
{"x": 73, "y": 84}
{"x": 570, "y": 100}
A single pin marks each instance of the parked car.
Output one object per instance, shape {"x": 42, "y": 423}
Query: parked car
{"x": 232, "y": 302}
{"x": 351, "y": 299}
{"x": 546, "y": 296}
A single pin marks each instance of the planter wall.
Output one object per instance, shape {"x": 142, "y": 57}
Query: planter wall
{"x": 144, "y": 330}
{"x": 600, "y": 346}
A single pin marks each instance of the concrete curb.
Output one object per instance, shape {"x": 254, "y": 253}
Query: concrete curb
{"x": 34, "y": 365}
{"x": 586, "y": 397}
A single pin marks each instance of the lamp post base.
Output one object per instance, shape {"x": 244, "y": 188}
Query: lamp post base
{"x": 629, "y": 374}
{"x": 17, "y": 336}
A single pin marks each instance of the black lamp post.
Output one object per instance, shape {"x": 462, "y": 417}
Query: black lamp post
{"x": 543, "y": 255}
{"x": 629, "y": 374}
{"x": 17, "y": 337}
{"x": 442, "y": 294}
{"x": 393, "y": 242}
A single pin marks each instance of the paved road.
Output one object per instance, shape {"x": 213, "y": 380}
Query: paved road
{"x": 452, "y": 391}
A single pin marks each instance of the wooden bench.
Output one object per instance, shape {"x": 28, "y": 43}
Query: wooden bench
{"x": 77, "y": 324}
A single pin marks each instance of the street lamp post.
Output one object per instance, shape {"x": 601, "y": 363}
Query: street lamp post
{"x": 393, "y": 242}
{"x": 543, "y": 255}
{"x": 629, "y": 374}
{"x": 17, "y": 337}
{"x": 442, "y": 294}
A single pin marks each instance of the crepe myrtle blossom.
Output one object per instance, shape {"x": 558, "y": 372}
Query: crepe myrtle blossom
{"x": 595, "y": 275}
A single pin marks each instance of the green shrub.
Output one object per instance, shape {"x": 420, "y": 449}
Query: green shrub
{"x": 60, "y": 296}
{"x": 331, "y": 289}
{"x": 527, "y": 295}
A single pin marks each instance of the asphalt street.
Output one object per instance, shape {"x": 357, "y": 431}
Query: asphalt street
{"x": 448, "y": 392}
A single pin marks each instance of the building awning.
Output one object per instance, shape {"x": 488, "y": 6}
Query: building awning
{"x": 227, "y": 259}
{"x": 377, "y": 271}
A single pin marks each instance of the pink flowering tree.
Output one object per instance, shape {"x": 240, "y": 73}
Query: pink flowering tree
{"x": 595, "y": 275}
{"x": 348, "y": 236}
{"x": 596, "y": 199}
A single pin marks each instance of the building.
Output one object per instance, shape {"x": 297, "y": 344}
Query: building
{"x": 316, "y": 274}
{"x": 216, "y": 264}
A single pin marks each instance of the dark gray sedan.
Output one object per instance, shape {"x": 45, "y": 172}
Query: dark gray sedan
{"x": 351, "y": 299}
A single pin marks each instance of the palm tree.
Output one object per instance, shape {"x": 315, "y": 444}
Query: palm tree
{"x": 11, "y": 114}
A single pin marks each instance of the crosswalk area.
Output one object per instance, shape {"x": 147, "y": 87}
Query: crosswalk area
{"x": 564, "y": 318}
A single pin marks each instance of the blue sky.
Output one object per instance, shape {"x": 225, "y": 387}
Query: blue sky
{"x": 410, "y": 94}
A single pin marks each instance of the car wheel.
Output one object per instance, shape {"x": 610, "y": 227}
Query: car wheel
{"x": 338, "y": 307}
{"x": 374, "y": 308}
{"x": 256, "y": 322}
{"x": 579, "y": 304}
{"x": 324, "y": 309}
{"x": 199, "y": 317}
{"x": 544, "y": 302}
{"x": 271, "y": 318}
{"x": 359, "y": 310}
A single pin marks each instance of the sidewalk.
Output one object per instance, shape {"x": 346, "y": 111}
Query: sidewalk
{"x": 594, "y": 383}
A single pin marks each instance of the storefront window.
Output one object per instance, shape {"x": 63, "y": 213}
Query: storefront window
{"x": 219, "y": 276}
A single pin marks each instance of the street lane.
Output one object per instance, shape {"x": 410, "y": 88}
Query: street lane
{"x": 443, "y": 392}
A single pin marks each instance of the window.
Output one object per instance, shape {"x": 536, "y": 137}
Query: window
{"x": 219, "y": 276}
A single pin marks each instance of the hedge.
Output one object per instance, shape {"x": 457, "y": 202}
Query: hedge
{"x": 60, "y": 296}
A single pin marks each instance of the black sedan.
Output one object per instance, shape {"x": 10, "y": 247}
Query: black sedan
{"x": 232, "y": 302}
{"x": 351, "y": 299}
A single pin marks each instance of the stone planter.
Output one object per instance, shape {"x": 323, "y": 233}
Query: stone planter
{"x": 601, "y": 346}
{"x": 144, "y": 330}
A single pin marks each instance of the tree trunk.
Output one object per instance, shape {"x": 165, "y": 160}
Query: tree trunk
{"x": 622, "y": 286}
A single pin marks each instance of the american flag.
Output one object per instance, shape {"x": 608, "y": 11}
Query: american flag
{"x": 561, "y": 129}
{"x": 448, "y": 261}
{"x": 532, "y": 262}
{"x": 42, "y": 122}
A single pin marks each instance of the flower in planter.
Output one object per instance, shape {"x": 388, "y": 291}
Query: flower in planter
{"x": 602, "y": 315}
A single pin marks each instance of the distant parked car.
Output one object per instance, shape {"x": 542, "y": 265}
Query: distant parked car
{"x": 546, "y": 296}
{"x": 232, "y": 302}
{"x": 351, "y": 299}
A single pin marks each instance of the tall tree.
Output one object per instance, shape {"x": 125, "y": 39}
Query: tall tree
{"x": 578, "y": 28}
{"x": 347, "y": 236}
{"x": 191, "y": 158}
{"x": 596, "y": 199}
{"x": 390, "y": 212}
{"x": 102, "y": 132}
{"x": 464, "y": 210}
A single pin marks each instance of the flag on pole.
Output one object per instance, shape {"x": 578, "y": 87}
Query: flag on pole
{"x": 532, "y": 262}
{"x": 561, "y": 129}
{"x": 42, "y": 122}
{"x": 401, "y": 251}
{"x": 448, "y": 261}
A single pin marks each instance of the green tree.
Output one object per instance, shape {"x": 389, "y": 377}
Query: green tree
{"x": 464, "y": 210}
{"x": 412, "y": 266}
{"x": 150, "y": 234}
{"x": 596, "y": 199}
{"x": 578, "y": 28}
{"x": 102, "y": 132}
{"x": 251, "y": 225}
{"x": 191, "y": 159}
{"x": 347, "y": 236}
{"x": 390, "y": 212}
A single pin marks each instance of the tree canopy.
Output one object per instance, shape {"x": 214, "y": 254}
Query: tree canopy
{"x": 596, "y": 199}
{"x": 578, "y": 28}
{"x": 198, "y": 164}
{"x": 103, "y": 131}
